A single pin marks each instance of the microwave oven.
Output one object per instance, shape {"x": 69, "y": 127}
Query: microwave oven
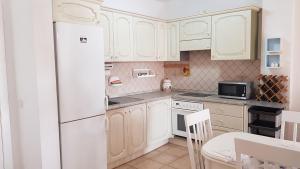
{"x": 235, "y": 90}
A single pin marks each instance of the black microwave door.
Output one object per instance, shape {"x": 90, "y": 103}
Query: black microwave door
{"x": 235, "y": 90}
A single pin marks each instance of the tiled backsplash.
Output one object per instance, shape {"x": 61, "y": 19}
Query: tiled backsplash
{"x": 205, "y": 73}
{"x": 134, "y": 85}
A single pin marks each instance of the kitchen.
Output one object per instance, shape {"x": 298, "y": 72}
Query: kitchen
{"x": 146, "y": 48}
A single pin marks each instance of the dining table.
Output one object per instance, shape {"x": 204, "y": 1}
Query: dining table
{"x": 219, "y": 152}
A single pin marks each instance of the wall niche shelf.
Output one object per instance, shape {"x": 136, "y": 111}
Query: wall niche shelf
{"x": 273, "y": 53}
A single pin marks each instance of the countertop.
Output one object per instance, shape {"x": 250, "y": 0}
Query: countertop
{"x": 135, "y": 99}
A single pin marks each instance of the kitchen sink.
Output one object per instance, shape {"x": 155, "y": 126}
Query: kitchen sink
{"x": 110, "y": 103}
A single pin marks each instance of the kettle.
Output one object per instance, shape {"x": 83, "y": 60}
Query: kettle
{"x": 167, "y": 85}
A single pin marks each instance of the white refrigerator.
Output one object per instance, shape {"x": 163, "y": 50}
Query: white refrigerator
{"x": 81, "y": 95}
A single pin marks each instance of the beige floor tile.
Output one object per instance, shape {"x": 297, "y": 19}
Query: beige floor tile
{"x": 165, "y": 158}
{"x": 164, "y": 148}
{"x": 152, "y": 154}
{"x": 148, "y": 164}
{"x": 137, "y": 161}
{"x": 176, "y": 151}
{"x": 182, "y": 163}
{"x": 166, "y": 167}
{"x": 179, "y": 147}
{"x": 125, "y": 166}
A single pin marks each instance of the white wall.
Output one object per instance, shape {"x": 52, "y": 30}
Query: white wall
{"x": 277, "y": 22}
{"x": 295, "y": 61}
{"x": 154, "y": 8}
{"x": 31, "y": 83}
{"x": 179, "y": 8}
{"x": 170, "y": 9}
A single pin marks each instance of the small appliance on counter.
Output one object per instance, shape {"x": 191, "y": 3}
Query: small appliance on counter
{"x": 235, "y": 90}
{"x": 167, "y": 85}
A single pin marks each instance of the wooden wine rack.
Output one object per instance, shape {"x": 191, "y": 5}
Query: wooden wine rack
{"x": 272, "y": 88}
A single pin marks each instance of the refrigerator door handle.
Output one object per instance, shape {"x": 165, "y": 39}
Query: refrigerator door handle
{"x": 106, "y": 100}
{"x": 107, "y": 124}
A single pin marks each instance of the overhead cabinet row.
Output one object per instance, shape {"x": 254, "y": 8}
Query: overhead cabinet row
{"x": 230, "y": 35}
{"x": 129, "y": 38}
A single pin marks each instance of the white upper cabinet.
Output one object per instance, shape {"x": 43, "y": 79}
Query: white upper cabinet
{"x": 193, "y": 29}
{"x": 195, "y": 34}
{"x": 145, "y": 43}
{"x": 162, "y": 42}
{"x": 106, "y": 21}
{"x": 234, "y": 35}
{"x": 173, "y": 42}
{"x": 77, "y": 11}
{"x": 123, "y": 37}
{"x": 159, "y": 121}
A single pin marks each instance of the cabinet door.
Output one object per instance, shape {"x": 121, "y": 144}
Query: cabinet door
{"x": 106, "y": 21}
{"x": 144, "y": 39}
{"x": 76, "y": 11}
{"x": 137, "y": 128}
{"x": 173, "y": 42}
{"x": 162, "y": 42}
{"x": 158, "y": 121}
{"x": 193, "y": 29}
{"x": 233, "y": 36}
{"x": 123, "y": 37}
{"x": 117, "y": 135}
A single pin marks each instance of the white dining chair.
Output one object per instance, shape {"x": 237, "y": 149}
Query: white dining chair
{"x": 199, "y": 129}
{"x": 257, "y": 154}
{"x": 293, "y": 118}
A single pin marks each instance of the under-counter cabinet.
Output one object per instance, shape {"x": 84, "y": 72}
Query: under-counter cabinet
{"x": 127, "y": 133}
{"x": 158, "y": 123}
{"x": 173, "y": 41}
{"x": 106, "y": 21}
{"x": 226, "y": 117}
{"x": 117, "y": 142}
{"x": 137, "y": 128}
{"x": 234, "y": 35}
{"x": 77, "y": 11}
{"x": 123, "y": 37}
{"x": 195, "y": 34}
{"x": 145, "y": 44}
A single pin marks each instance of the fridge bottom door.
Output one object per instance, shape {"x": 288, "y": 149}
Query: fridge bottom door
{"x": 83, "y": 144}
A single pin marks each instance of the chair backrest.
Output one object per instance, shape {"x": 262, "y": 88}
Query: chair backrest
{"x": 290, "y": 117}
{"x": 199, "y": 128}
{"x": 268, "y": 155}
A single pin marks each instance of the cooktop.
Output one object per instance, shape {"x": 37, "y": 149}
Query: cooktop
{"x": 192, "y": 94}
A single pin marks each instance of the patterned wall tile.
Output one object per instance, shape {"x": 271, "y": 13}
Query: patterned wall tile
{"x": 205, "y": 73}
{"x": 134, "y": 85}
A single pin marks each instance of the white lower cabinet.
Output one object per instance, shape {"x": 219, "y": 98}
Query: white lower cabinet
{"x": 127, "y": 132}
{"x": 117, "y": 135}
{"x": 136, "y": 130}
{"x": 158, "y": 122}
{"x": 226, "y": 117}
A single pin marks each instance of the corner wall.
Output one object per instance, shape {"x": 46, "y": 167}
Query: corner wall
{"x": 295, "y": 61}
{"x": 31, "y": 83}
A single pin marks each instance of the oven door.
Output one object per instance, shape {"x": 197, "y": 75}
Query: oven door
{"x": 178, "y": 122}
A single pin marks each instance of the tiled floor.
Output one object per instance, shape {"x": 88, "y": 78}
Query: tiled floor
{"x": 169, "y": 156}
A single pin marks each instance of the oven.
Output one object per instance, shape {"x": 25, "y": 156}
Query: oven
{"x": 179, "y": 110}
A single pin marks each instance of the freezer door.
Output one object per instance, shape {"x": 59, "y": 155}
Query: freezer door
{"x": 83, "y": 144}
{"x": 80, "y": 71}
